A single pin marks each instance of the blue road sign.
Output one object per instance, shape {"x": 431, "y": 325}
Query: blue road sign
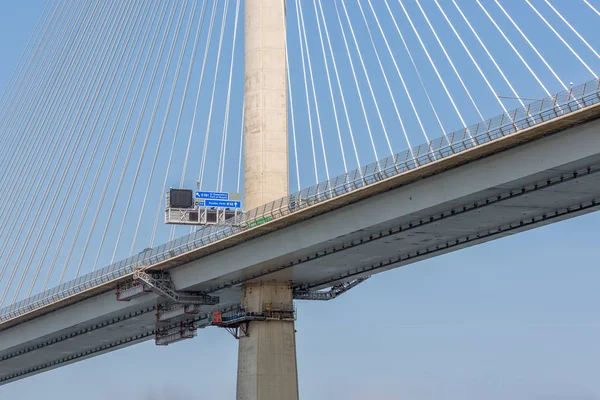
{"x": 212, "y": 195}
{"x": 223, "y": 203}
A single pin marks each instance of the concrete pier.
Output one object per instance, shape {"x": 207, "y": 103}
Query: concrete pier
{"x": 267, "y": 353}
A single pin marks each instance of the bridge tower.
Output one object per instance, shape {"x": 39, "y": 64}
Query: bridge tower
{"x": 267, "y": 353}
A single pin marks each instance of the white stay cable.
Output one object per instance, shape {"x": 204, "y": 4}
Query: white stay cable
{"x": 35, "y": 103}
{"x": 30, "y": 53}
{"x": 61, "y": 115}
{"x": 531, "y": 45}
{"x": 291, "y": 107}
{"x": 240, "y": 161}
{"x": 327, "y": 73}
{"x": 68, "y": 151}
{"x": 65, "y": 229}
{"x": 310, "y": 124}
{"x": 201, "y": 81}
{"x": 223, "y": 154}
{"x": 489, "y": 54}
{"x": 364, "y": 68}
{"x": 355, "y": 79}
{"x": 132, "y": 143}
{"x": 100, "y": 164}
{"x": 592, "y": 7}
{"x": 164, "y": 124}
{"x": 437, "y": 38}
{"x": 339, "y": 86}
{"x": 387, "y": 83}
{"x": 182, "y": 49}
{"x": 130, "y": 37}
{"x": 414, "y": 64}
{"x": 312, "y": 83}
{"x": 25, "y": 160}
{"x": 53, "y": 147}
{"x": 57, "y": 87}
{"x": 487, "y": 82}
{"x": 572, "y": 29}
{"x": 29, "y": 74}
{"x": 408, "y": 95}
{"x": 433, "y": 66}
{"x": 212, "y": 99}
{"x": 83, "y": 181}
{"x": 561, "y": 39}
{"x": 124, "y": 130}
{"x": 192, "y": 60}
{"x": 514, "y": 49}
{"x": 209, "y": 118}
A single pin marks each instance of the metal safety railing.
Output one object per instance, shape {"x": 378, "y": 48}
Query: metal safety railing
{"x": 555, "y": 107}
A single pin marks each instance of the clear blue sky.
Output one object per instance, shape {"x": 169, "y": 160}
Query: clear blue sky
{"x": 515, "y": 318}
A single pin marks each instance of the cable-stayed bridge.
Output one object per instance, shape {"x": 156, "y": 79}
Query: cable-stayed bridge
{"x": 99, "y": 105}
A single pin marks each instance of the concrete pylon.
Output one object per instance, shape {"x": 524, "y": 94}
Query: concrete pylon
{"x": 265, "y": 114}
{"x": 267, "y": 353}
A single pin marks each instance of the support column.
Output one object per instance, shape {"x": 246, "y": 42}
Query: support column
{"x": 267, "y": 354}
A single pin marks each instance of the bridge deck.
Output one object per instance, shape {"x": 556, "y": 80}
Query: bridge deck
{"x": 384, "y": 176}
{"x": 498, "y": 188}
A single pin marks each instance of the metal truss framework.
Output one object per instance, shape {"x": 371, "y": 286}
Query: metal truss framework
{"x": 238, "y": 323}
{"x": 177, "y": 305}
{"x": 304, "y": 293}
{"x": 160, "y": 283}
{"x": 174, "y": 304}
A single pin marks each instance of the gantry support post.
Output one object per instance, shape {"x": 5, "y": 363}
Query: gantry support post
{"x": 267, "y": 353}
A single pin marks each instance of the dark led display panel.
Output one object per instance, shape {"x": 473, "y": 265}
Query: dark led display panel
{"x": 181, "y": 198}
